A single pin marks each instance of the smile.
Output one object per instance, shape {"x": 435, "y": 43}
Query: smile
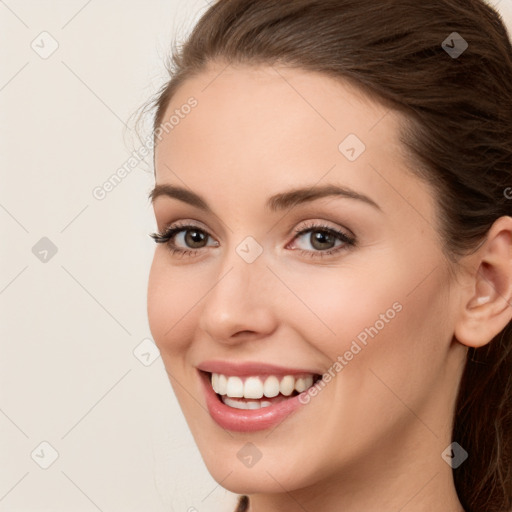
{"x": 255, "y": 392}
{"x": 252, "y": 397}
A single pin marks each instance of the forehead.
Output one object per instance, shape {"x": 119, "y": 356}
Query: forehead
{"x": 267, "y": 128}
{"x": 265, "y": 102}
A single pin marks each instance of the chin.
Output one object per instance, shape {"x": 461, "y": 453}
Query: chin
{"x": 258, "y": 479}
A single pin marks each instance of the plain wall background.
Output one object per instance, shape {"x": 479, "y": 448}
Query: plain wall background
{"x": 71, "y": 326}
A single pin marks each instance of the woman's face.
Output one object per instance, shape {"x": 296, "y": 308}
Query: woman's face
{"x": 257, "y": 300}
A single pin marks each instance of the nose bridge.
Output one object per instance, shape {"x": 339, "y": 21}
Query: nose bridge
{"x": 239, "y": 299}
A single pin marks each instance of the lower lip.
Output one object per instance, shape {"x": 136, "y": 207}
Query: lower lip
{"x": 246, "y": 420}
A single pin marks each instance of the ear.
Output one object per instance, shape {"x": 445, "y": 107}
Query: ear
{"x": 486, "y": 306}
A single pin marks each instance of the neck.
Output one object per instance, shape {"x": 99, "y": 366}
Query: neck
{"x": 434, "y": 494}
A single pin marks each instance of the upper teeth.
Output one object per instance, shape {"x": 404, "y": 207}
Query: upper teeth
{"x": 256, "y": 387}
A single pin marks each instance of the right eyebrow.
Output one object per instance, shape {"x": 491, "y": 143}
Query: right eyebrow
{"x": 180, "y": 193}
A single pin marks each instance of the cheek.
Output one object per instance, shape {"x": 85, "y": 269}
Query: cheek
{"x": 391, "y": 334}
{"x": 391, "y": 319}
{"x": 171, "y": 316}
{"x": 170, "y": 305}
{"x": 339, "y": 305}
{"x": 405, "y": 356}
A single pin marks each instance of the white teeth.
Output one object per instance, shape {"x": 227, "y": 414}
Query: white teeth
{"x": 300, "y": 385}
{"x": 256, "y": 387}
{"x": 245, "y": 405}
{"x": 222, "y": 384}
{"x": 253, "y": 388}
{"x": 271, "y": 386}
{"x": 215, "y": 382}
{"x": 235, "y": 387}
{"x": 287, "y": 385}
{"x": 303, "y": 383}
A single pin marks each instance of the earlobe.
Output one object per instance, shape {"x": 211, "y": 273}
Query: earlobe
{"x": 486, "y": 306}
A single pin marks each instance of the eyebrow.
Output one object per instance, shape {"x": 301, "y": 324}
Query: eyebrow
{"x": 277, "y": 202}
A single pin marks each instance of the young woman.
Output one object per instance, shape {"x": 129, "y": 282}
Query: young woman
{"x": 331, "y": 290}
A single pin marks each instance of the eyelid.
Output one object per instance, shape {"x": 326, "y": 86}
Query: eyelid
{"x": 185, "y": 223}
{"x": 345, "y": 236}
{"x": 322, "y": 224}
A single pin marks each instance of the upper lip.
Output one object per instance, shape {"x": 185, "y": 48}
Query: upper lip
{"x": 232, "y": 368}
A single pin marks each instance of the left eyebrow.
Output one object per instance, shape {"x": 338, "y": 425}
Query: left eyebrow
{"x": 292, "y": 198}
{"x": 280, "y": 201}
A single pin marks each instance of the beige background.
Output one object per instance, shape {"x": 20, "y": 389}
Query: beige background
{"x": 78, "y": 369}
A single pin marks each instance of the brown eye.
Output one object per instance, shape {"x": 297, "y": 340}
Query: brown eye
{"x": 187, "y": 239}
{"x": 322, "y": 240}
{"x": 194, "y": 238}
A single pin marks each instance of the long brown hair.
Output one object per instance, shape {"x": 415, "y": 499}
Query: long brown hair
{"x": 457, "y": 132}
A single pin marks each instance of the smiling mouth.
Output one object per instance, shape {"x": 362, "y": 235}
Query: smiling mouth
{"x": 258, "y": 391}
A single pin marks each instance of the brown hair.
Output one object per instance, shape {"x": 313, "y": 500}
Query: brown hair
{"x": 457, "y": 132}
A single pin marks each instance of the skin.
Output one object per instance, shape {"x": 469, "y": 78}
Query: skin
{"x": 372, "y": 438}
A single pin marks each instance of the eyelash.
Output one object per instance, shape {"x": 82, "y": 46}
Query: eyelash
{"x": 169, "y": 233}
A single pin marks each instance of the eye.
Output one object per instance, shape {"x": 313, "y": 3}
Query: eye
{"x": 323, "y": 240}
{"x": 191, "y": 237}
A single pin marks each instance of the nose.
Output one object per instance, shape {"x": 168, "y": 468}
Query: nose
{"x": 240, "y": 305}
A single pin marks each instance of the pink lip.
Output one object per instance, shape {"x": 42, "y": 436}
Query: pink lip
{"x": 242, "y": 420}
{"x": 250, "y": 368}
